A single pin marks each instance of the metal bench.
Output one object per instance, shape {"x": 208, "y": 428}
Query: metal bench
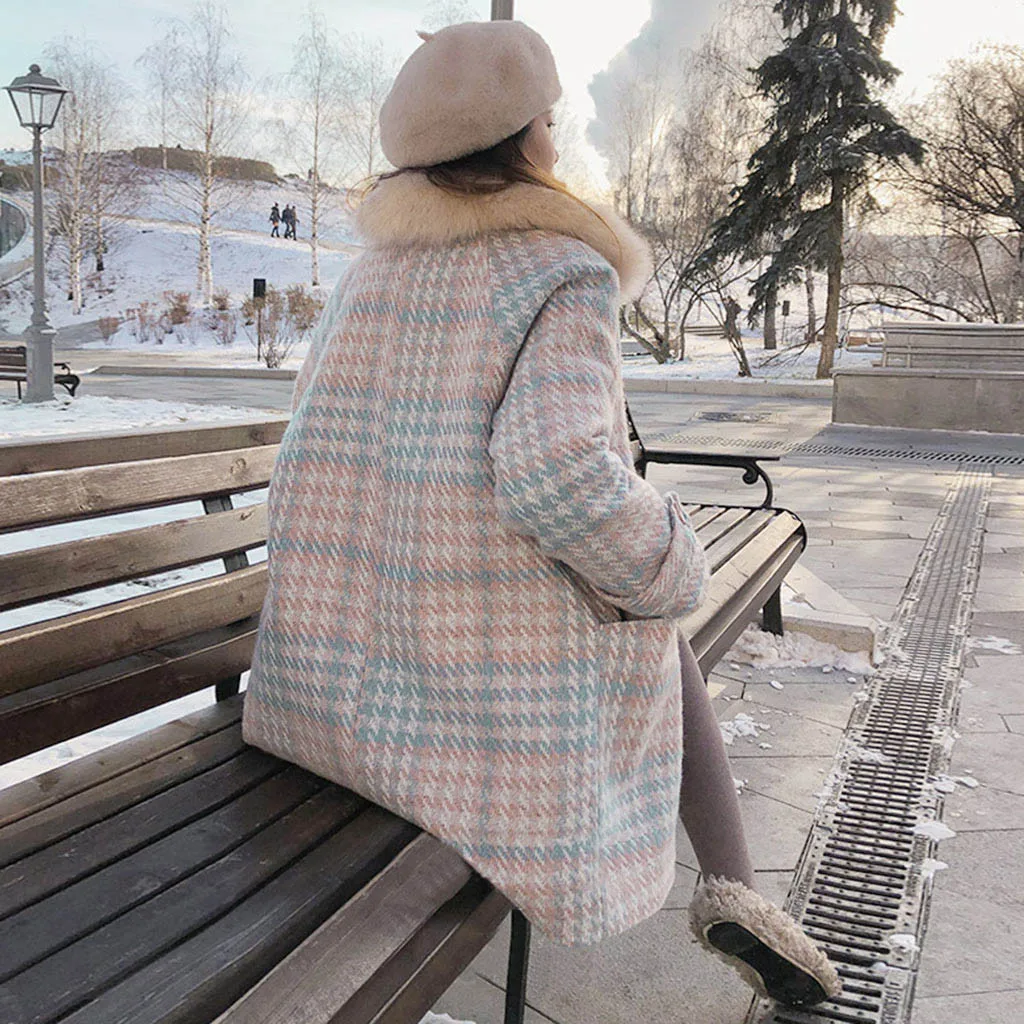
{"x": 14, "y": 366}
{"x": 180, "y": 877}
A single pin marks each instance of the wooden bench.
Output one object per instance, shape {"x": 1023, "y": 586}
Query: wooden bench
{"x": 179, "y": 877}
{"x": 14, "y": 366}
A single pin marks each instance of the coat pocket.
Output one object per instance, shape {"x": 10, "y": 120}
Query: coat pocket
{"x": 640, "y": 743}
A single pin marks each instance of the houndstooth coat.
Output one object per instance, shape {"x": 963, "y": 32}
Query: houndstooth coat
{"x": 470, "y": 613}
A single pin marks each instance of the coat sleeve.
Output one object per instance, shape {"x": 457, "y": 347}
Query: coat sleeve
{"x": 557, "y": 478}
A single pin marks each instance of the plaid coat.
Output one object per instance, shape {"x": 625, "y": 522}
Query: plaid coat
{"x": 470, "y": 610}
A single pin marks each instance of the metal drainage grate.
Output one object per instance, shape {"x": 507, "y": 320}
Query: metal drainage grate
{"x": 862, "y": 874}
{"x": 735, "y": 417}
{"x": 845, "y": 451}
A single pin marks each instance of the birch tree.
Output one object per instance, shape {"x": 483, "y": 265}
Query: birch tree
{"x": 207, "y": 115}
{"x": 158, "y": 63}
{"x": 316, "y": 85}
{"x": 368, "y": 70}
{"x": 86, "y": 185}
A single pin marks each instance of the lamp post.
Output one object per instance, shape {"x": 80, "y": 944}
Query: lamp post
{"x": 37, "y": 101}
{"x": 501, "y": 10}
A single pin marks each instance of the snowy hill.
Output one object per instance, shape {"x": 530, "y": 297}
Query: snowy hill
{"x": 155, "y": 249}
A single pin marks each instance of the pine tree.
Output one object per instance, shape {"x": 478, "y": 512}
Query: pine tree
{"x": 826, "y": 134}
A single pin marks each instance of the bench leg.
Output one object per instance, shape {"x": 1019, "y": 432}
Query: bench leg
{"x": 228, "y": 687}
{"x": 771, "y": 614}
{"x": 518, "y": 961}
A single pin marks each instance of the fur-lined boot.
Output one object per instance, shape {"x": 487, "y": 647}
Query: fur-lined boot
{"x": 762, "y": 943}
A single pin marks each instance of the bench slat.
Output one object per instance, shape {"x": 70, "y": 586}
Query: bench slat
{"x": 61, "y": 495}
{"x": 205, "y": 974}
{"x": 705, "y": 514}
{"x": 76, "y": 781}
{"x": 53, "y": 824}
{"x": 38, "y": 653}
{"x": 93, "y": 847}
{"x": 746, "y": 580}
{"x": 69, "y": 707}
{"x": 727, "y": 545}
{"x": 278, "y": 835}
{"x": 53, "y": 920}
{"x": 458, "y": 938}
{"x": 327, "y": 970}
{"x": 60, "y": 569}
{"x": 74, "y": 452}
{"x": 718, "y": 527}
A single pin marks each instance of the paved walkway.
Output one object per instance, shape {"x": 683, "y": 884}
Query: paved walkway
{"x": 868, "y": 520}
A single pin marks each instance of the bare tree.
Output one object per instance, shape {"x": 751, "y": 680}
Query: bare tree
{"x": 452, "y": 12}
{"x": 207, "y": 115}
{"x": 86, "y": 185}
{"x": 973, "y": 175}
{"x": 677, "y": 148}
{"x": 368, "y": 69}
{"x": 812, "y": 316}
{"x": 159, "y": 62}
{"x": 316, "y": 83}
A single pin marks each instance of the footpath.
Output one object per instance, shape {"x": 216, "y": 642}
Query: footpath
{"x": 952, "y": 954}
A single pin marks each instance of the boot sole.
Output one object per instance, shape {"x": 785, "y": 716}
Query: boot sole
{"x": 783, "y": 980}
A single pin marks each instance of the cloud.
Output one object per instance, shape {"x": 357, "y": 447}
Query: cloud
{"x": 674, "y": 26}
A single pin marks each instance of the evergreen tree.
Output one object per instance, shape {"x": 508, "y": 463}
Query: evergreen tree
{"x": 826, "y": 133}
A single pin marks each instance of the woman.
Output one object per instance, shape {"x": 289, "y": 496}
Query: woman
{"x": 471, "y": 611}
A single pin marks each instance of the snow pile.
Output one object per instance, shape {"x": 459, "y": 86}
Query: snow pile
{"x": 929, "y": 866}
{"x": 947, "y": 783}
{"x": 742, "y": 725}
{"x": 998, "y": 644}
{"x": 795, "y": 650}
{"x": 867, "y": 756}
{"x": 933, "y": 830}
{"x": 902, "y": 942}
{"x": 442, "y": 1018}
{"x": 92, "y": 414}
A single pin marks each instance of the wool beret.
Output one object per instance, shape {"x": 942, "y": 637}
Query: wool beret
{"x": 465, "y": 89}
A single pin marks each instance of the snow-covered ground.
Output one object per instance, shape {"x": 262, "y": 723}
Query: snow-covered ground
{"x": 712, "y": 359}
{"x": 93, "y": 414}
{"x": 155, "y": 250}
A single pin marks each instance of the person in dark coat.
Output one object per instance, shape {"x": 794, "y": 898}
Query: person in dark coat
{"x": 275, "y": 221}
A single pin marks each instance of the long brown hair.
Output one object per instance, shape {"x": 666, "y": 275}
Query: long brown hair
{"x": 486, "y": 172}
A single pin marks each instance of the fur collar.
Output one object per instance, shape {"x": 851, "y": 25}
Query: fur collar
{"x": 408, "y": 210}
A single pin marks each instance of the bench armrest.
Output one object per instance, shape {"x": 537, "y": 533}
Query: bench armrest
{"x": 752, "y": 472}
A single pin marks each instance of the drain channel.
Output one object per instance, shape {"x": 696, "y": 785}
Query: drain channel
{"x": 863, "y": 875}
{"x": 845, "y": 451}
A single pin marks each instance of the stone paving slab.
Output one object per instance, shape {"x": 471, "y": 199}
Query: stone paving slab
{"x": 975, "y": 1008}
{"x": 976, "y": 926}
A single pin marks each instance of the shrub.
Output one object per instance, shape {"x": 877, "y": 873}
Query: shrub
{"x": 222, "y": 299}
{"x": 304, "y": 308}
{"x": 108, "y": 326}
{"x": 145, "y": 323}
{"x": 225, "y": 327}
{"x": 179, "y": 306}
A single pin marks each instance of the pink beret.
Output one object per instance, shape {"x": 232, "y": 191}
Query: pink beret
{"x": 465, "y": 89}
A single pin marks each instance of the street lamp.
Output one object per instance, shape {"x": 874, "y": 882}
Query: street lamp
{"x": 37, "y": 101}
{"x": 501, "y": 10}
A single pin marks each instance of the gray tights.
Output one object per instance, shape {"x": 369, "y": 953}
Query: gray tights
{"x": 708, "y": 805}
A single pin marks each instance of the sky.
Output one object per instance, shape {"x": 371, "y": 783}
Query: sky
{"x": 584, "y": 34}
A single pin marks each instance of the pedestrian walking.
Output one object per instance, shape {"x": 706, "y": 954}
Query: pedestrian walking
{"x": 294, "y": 222}
{"x": 472, "y": 610}
{"x": 275, "y": 221}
